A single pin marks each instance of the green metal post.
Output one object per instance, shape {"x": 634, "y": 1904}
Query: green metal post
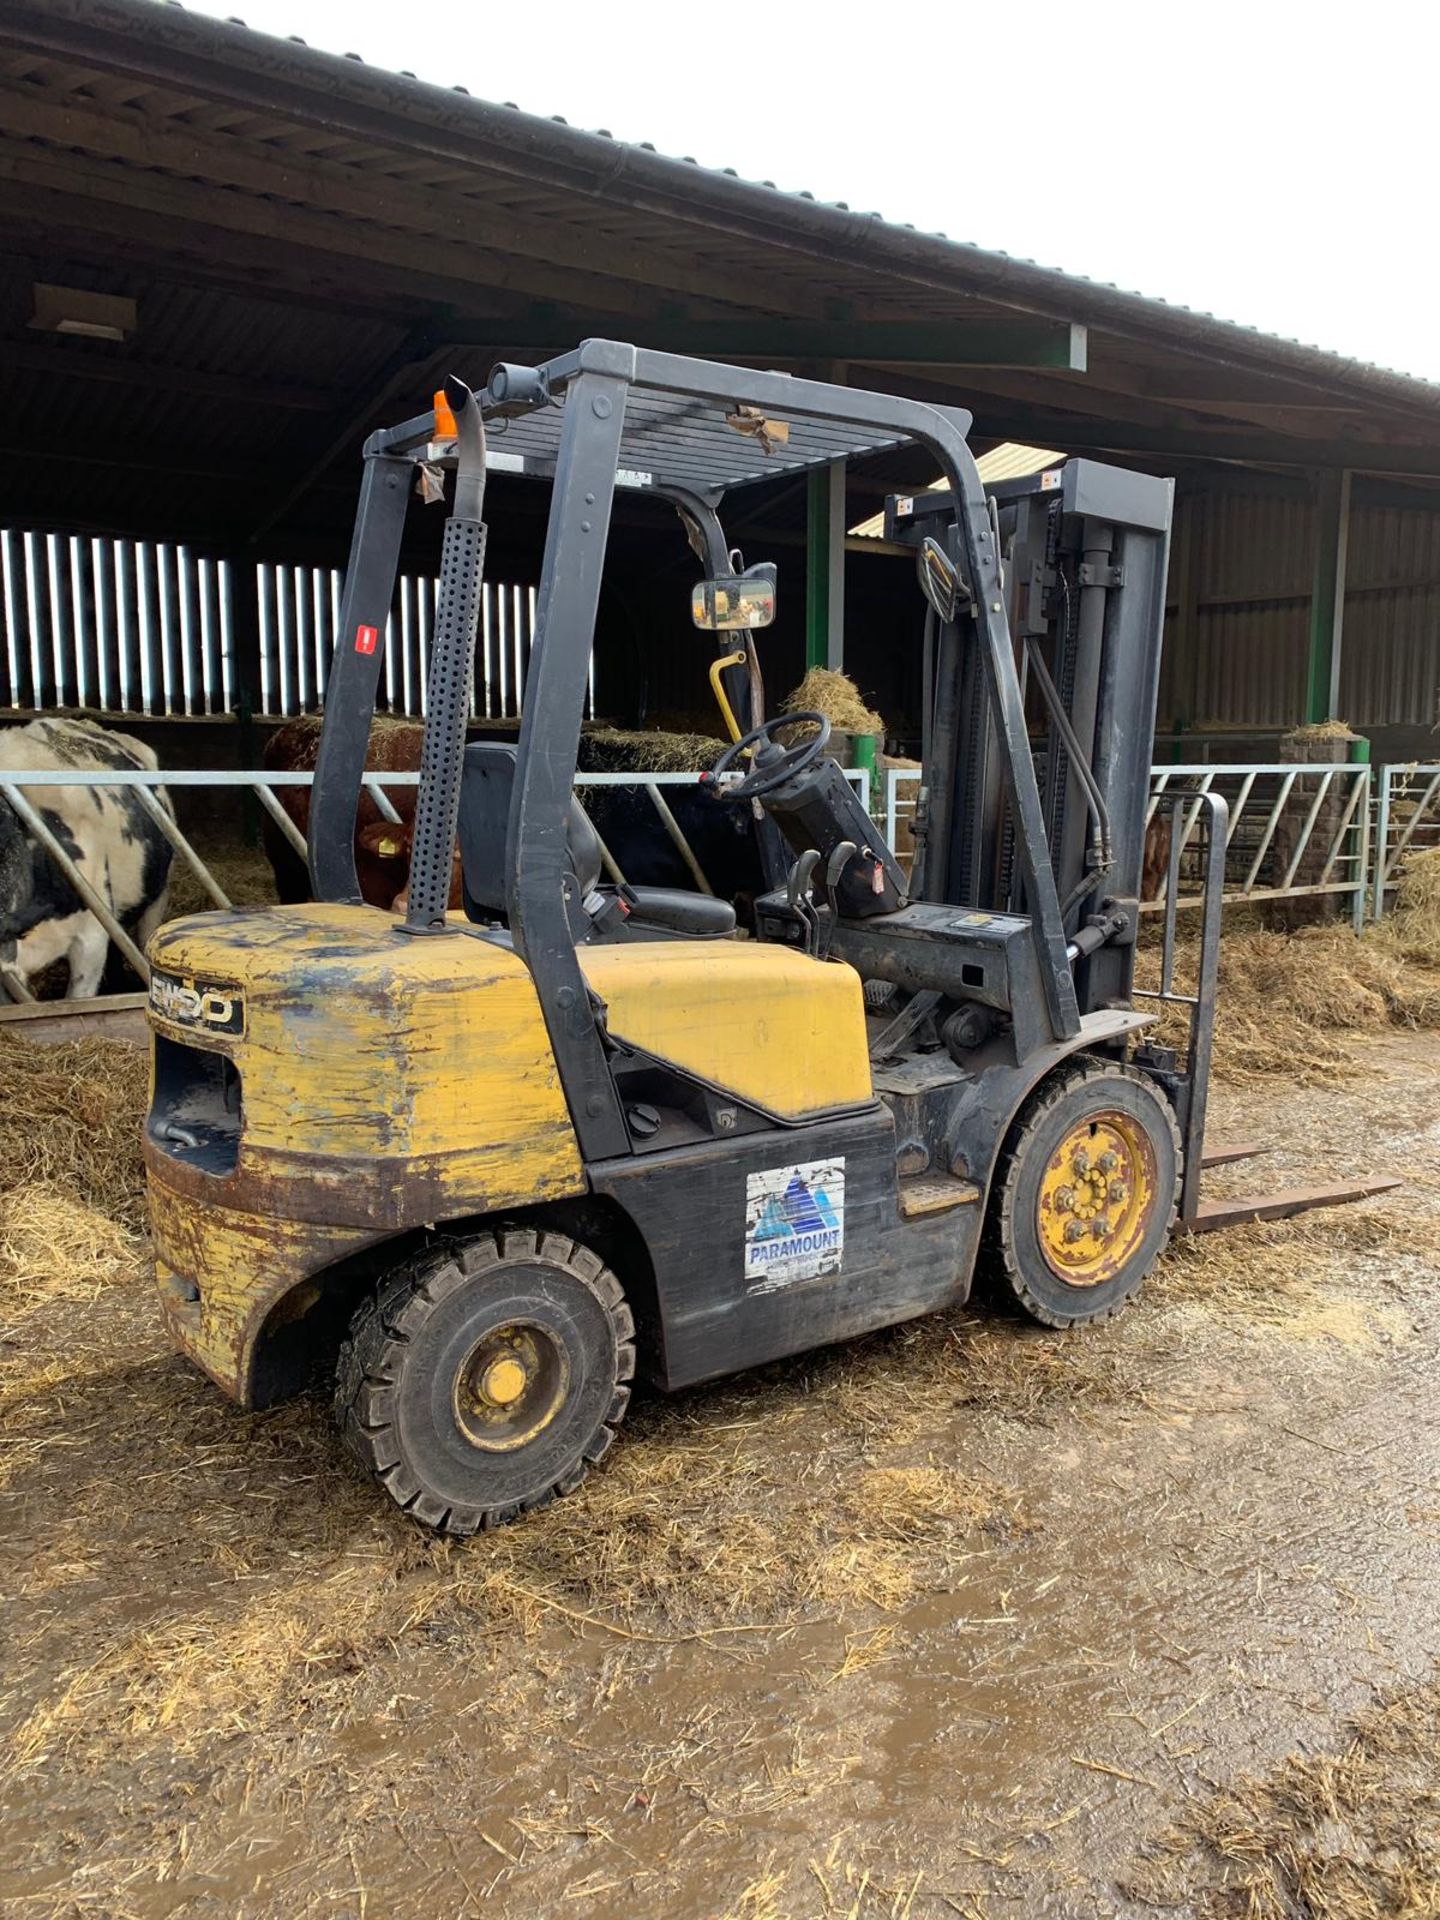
{"x": 825, "y": 566}
{"x": 817, "y": 571}
{"x": 1327, "y": 597}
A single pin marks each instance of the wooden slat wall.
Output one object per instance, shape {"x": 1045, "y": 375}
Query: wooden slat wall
{"x": 147, "y": 628}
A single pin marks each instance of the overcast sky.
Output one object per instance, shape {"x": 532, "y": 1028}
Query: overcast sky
{"x": 1270, "y": 163}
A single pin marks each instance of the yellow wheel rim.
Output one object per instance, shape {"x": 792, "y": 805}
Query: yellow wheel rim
{"x": 510, "y": 1386}
{"x": 1097, "y": 1199}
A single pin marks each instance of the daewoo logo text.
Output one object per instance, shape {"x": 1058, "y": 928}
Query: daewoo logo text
{"x": 190, "y": 1003}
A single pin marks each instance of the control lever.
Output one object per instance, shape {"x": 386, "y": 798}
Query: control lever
{"x": 825, "y": 913}
{"x": 798, "y": 894}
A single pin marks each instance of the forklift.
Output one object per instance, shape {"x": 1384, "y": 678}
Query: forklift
{"x": 481, "y": 1167}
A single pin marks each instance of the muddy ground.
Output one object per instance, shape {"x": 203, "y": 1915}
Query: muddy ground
{"x": 960, "y": 1619}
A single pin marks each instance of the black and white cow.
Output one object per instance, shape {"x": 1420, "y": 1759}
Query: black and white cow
{"x": 106, "y": 832}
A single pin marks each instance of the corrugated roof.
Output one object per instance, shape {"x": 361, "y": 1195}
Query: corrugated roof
{"x": 311, "y": 240}
{"x": 1016, "y": 269}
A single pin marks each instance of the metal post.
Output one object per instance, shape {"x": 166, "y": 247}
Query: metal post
{"x": 1202, "y": 1017}
{"x": 825, "y": 567}
{"x": 282, "y": 819}
{"x": 542, "y": 882}
{"x": 1382, "y": 835}
{"x": 350, "y": 697}
{"x": 1327, "y": 598}
{"x": 1362, "y": 851}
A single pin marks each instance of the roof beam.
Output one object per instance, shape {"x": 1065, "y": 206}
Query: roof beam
{"x": 84, "y": 361}
{"x": 298, "y": 243}
{"x": 1002, "y": 341}
{"x": 1076, "y": 434}
{"x": 1110, "y": 411}
{"x": 1220, "y": 385}
{"x": 293, "y": 181}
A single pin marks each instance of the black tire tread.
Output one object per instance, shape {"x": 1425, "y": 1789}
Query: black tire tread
{"x": 998, "y": 1268}
{"x": 393, "y": 1312}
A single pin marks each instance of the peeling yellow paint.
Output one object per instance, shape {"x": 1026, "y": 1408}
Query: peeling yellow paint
{"x": 243, "y": 1265}
{"x": 386, "y": 1082}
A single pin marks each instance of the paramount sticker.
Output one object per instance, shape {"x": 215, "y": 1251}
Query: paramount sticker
{"x": 794, "y": 1224}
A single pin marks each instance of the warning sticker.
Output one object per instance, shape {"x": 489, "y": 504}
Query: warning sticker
{"x": 794, "y": 1224}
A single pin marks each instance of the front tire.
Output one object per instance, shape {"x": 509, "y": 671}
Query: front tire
{"x": 486, "y": 1376}
{"x": 1084, "y": 1196}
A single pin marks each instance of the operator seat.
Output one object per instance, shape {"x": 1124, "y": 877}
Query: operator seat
{"x": 602, "y": 912}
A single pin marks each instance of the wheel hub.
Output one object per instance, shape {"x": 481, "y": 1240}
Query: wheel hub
{"x": 505, "y": 1380}
{"x": 510, "y": 1386}
{"x": 1096, "y": 1199}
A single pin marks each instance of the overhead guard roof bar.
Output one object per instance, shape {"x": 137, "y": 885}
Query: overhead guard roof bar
{"x": 681, "y": 423}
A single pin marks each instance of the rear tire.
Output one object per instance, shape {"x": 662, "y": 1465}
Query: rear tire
{"x": 1084, "y": 1195}
{"x": 486, "y": 1376}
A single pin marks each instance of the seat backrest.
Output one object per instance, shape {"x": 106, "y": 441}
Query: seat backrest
{"x": 487, "y": 783}
{"x": 487, "y": 787}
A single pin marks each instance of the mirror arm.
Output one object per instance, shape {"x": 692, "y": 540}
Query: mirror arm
{"x": 699, "y": 512}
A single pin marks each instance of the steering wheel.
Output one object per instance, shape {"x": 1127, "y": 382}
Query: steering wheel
{"x": 774, "y": 763}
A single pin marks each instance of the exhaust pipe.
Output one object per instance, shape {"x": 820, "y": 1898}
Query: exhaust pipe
{"x": 452, "y": 666}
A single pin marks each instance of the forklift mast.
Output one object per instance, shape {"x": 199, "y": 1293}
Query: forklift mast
{"x": 1085, "y": 549}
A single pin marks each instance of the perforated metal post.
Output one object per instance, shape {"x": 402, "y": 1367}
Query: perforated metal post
{"x": 452, "y": 661}
{"x": 452, "y": 655}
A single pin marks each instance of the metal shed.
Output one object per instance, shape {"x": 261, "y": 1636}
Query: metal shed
{"x": 227, "y": 256}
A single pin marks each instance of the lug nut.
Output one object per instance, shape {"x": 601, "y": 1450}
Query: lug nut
{"x": 1074, "y": 1230}
{"x": 1065, "y": 1199}
{"x": 1119, "y": 1192}
{"x": 1107, "y": 1162}
{"x": 1101, "y": 1228}
{"x": 1081, "y": 1163}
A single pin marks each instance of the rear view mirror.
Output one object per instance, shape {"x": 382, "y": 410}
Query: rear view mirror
{"x": 735, "y": 601}
{"x": 939, "y": 581}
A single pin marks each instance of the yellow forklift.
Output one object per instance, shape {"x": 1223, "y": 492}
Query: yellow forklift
{"x": 478, "y": 1168}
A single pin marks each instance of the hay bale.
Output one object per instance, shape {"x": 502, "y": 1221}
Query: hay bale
{"x": 1413, "y": 926}
{"x": 70, "y": 1119}
{"x": 243, "y": 873}
{"x": 1287, "y": 1003}
{"x": 53, "y": 1248}
{"x": 1320, "y": 730}
{"x": 837, "y": 697}
{"x": 618, "y": 750}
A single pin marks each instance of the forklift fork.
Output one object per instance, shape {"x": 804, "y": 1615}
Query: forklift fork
{"x": 1190, "y": 1090}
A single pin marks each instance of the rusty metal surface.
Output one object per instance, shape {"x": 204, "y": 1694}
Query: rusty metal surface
{"x": 1227, "y": 1155}
{"x": 1215, "y": 1215}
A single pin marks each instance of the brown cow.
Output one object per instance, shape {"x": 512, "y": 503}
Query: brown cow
{"x": 382, "y": 847}
{"x": 722, "y": 838}
{"x": 1156, "y": 862}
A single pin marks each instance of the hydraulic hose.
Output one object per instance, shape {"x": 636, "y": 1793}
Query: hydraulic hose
{"x": 1100, "y": 845}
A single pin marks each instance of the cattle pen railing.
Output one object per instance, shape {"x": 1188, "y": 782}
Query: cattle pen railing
{"x": 1407, "y": 820}
{"x": 1294, "y": 830}
{"x": 16, "y": 786}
